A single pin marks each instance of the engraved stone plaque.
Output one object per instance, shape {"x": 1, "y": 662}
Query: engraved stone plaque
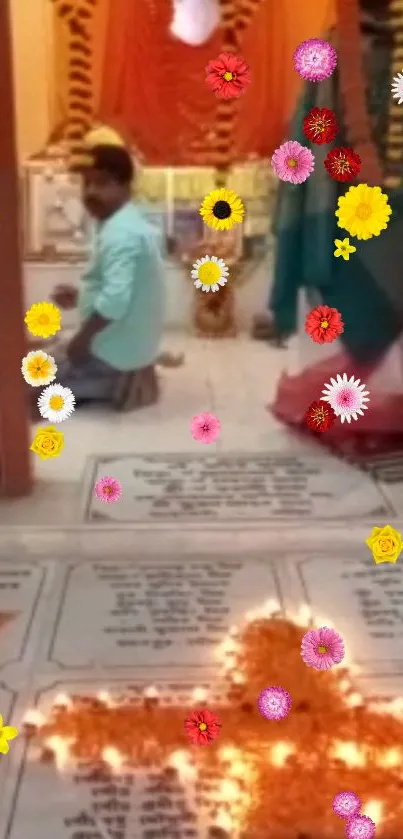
{"x": 233, "y": 488}
{"x": 82, "y": 802}
{"x": 362, "y": 601}
{"x": 20, "y": 588}
{"x": 154, "y": 613}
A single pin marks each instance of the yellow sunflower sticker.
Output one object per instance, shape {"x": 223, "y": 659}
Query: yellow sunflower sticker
{"x": 222, "y": 209}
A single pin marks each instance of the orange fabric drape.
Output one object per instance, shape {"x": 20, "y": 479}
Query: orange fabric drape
{"x": 153, "y": 86}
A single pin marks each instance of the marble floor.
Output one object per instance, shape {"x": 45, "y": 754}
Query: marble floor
{"x": 234, "y": 379}
{"x": 89, "y": 605}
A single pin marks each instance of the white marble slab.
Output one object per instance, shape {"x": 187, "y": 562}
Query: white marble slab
{"x": 79, "y": 803}
{"x": 363, "y": 601}
{"x": 21, "y": 585}
{"x": 119, "y": 625}
{"x": 232, "y": 488}
{"x": 154, "y": 613}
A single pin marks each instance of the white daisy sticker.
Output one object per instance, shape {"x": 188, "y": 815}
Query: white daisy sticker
{"x": 209, "y": 273}
{"x": 346, "y": 396}
{"x": 397, "y": 88}
{"x": 56, "y": 403}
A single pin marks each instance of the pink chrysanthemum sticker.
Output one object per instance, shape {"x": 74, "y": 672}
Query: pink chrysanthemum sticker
{"x": 315, "y": 60}
{"x": 205, "y": 428}
{"x": 346, "y": 804}
{"x": 347, "y": 397}
{"x": 108, "y": 489}
{"x": 274, "y": 703}
{"x": 322, "y": 648}
{"x": 293, "y": 162}
{"x": 360, "y": 827}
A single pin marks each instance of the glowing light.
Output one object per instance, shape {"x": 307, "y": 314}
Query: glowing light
{"x": 389, "y": 759}
{"x": 182, "y": 762}
{"x": 354, "y": 700}
{"x": 349, "y": 753}
{"x": 60, "y": 747}
{"x": 105, "y": 697}
{"x": 62, "y": 700}
{"x": 112, "y": 757}
{"x": 227, "y": 648}
{"x": 304, "y": 616}
{"x": 238, "y": 678}
{"x": 280, "y": 752}
{"x": 394, "y": 707}
{"x": 228, "y": 754}
{"x": 199, "y": 695}
{"x": 229, "y": 790}
{"x": 151, "y": 692}
{"x": 224, "y": 821}
{"x": 374, "y": 809}
{"x": 34, "y": 718}
{"x": 271, "y": 607}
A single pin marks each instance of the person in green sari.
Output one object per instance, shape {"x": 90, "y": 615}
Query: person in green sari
{"x": 366, "y": 289}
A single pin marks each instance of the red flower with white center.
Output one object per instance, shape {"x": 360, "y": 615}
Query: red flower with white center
{"x": 319, "y": 416}
{"x": 320, "y": 126}
{"x": 228, "y": 75}
{"x": 202, "y": 727}
{"x": 342, "y": 164}
{"x": 324, "y": 324}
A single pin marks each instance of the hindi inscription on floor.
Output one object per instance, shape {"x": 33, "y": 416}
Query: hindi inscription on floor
{"x": 233, "y": 488}
{"x": 155, "y": 613}
{"x": 363, "y": 601}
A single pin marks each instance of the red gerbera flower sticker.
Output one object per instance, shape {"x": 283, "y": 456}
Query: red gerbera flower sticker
{"x": 342, "y": 164}
{"x": 320, "y": 126}
{"x": 203, "y": 726}
{"x": 228, "y": 75}
{"x": 320, "y": 416}
{"x": 324, "y": 324}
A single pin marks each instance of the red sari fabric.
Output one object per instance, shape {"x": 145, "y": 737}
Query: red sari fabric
{"x": 378, "y": 431}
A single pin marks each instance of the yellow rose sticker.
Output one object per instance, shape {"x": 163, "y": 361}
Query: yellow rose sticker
{"x": 385, "y": 543}
{"x": 49, "y": 442}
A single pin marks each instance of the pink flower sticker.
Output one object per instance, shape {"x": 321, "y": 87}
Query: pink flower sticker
{"x": 108, "y": 490}
{"x": 205, "y": 428}
{"x": 322, "y": 648}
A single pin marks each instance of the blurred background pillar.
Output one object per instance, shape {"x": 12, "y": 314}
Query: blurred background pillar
{"x": 15, "y": 473}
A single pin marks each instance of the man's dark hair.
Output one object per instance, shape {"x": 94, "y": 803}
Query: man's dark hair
{"x": 114, "y": 161}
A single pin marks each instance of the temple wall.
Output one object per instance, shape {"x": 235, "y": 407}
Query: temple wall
{"x": 32, "y": 37}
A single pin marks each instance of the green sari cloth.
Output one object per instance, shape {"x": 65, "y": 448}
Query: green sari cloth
{"x": 367, "y": 288}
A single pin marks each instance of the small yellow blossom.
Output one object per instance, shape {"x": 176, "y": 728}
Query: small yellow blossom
{"x": 343, "y": 248}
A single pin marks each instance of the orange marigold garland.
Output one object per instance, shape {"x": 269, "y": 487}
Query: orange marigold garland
{"x": 288, "y": 772}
